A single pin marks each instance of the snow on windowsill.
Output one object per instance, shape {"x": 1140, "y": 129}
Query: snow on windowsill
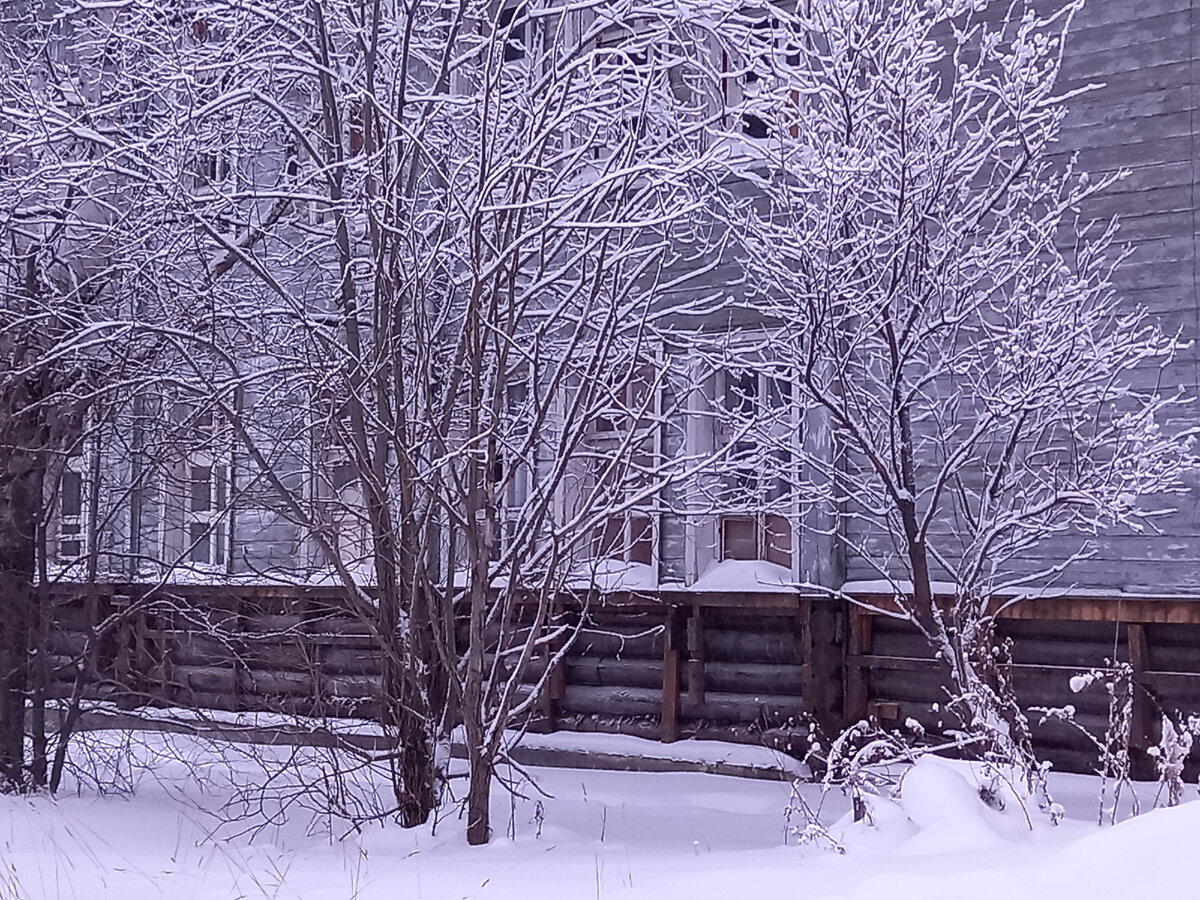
{"x": 746, "y": 575}
{"x": 609, "y": 575}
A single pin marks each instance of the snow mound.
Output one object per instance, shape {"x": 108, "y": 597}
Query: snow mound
{"x": 948, "y": 811}
{"x": 614, "y": 575}
{"x": 944, "y": 807}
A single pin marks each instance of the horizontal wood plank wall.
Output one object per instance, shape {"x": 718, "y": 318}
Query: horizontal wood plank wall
{"x": 1139, "y": 61}
{"x": 253, "y": 648}
{"x": 739, "y": 674}
{"x": 1141, "y": 116}
{"x": 687, "y": 667}
{"x": 1052, "y": 640}
{"x": 738, "y": 664}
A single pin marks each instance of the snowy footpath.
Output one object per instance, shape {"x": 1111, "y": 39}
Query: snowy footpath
{"x": 199, "y": 822}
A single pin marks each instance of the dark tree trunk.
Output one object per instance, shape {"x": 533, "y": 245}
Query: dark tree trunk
{"x": 20, "y": 507}
{"x": 479, "y": 826}
{"x": 39, "y": 666}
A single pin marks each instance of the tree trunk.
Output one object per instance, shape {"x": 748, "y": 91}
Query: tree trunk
{"x": 479, "y": 828}
{"x": 39, "y": 670}
{"x": 405, "y": 711}
{"x": 14, "y": 635}
{"x": 418, "y": 796}
{"x": 19, "y": 513}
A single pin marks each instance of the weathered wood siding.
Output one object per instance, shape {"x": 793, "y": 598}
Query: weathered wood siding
{"x": 1142, "y": 115}
{"x": 897, "y": 679}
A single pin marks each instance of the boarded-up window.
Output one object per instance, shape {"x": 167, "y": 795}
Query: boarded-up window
{"x": 626, "y": 537}
{"x": 356, "y": 137}
{"x": 765, "y": 536}
{"x": 70, "y": 505}
{"x": 777, "y": 540}
{"x": 739, "y": 537}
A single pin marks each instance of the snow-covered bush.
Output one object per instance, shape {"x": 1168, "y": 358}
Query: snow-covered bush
{"x": 1113, "y": 746}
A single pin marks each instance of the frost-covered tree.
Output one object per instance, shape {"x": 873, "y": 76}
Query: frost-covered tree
{"x": 65, "y": 344}
{"x": 921, "y": 265}
{"x": 411, "y": 259}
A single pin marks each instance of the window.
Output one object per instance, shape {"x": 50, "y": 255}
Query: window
{"x": 765, "y": 536}
{"x": 336, "y": 489}
{"x": 629, "y": 532}
{"x": 355, "y": 136}
{"x": 207, "y": 491}
{"x": 626, "y": 537}
{"x": 214, "y": 163}
{"x": 623, "y": 65}
{"x": 213, "y": 169}
{"x": 772, "y": 49}
{"x": 513, "y": 28}
{"x": 756, "y": 426}
{"x": 626, "y": 400}
{"x": 72, "y": 504}
{"x": 512, "y": 472}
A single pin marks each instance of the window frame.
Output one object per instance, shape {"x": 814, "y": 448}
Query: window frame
{"x": 738, "y": 89}
{"x": 633, "y": 533}
{"x": 74, "y": 527}
{"x": 765, "y": 532}
{"x": 768, "y": 506}
{"x": 206, "y": 515}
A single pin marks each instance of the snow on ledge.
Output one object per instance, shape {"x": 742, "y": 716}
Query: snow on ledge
{"x": 609, "y": 575}
{"x": 1034, "y": 592}
{"x": 746, "y": 575}
{"x": 695, "y": 752}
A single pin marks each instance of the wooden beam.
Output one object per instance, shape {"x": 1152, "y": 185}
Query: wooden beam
{"x": 858, "y": 644}
{"x": 1139, "y": 659}
{"x": 555, "y": 687}
{"x": 811, "y": 689}
{"x": 1180, "y": 610}
{"x": 695, "y": 646}
{"x": 669, "y": 720}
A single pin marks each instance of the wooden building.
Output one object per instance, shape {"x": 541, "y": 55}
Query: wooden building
{"x": 704, "y": 627}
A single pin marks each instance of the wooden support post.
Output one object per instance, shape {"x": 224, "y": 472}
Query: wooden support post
{"x": 143, "y": 657}
{"x": 858, "y": 644}
{"x": 311, "y": 653}
{"x": 670, "y": 686}
{"x": 695, "y": 646}
{"x": 812, "y": 701}
{"x": 1140, "y": 738}
{"x": 165, "y": 620}
{"x": 554, "y": 689}
{"x": 236, "y": 649}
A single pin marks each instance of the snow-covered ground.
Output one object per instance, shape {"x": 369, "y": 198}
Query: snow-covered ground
{"x": 191, "y": 829}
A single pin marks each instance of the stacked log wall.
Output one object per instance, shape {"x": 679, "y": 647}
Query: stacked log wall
{"x": 893, "y": 676}
{"x": 667, "y": 668}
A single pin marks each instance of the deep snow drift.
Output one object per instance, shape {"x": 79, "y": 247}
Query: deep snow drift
{"x": 193, "y": 828}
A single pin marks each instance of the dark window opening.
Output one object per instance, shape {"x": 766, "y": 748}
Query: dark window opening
{"x": 201, "y": 543}
{"x": 753, "y": 126}
{"x": 71, "y": 494}
{"x": 626, "y": 538}
{"x": 513, "y": 26}
{"x": 207, "y": 543}
{"x": 356, "y": 135}
{"x": 201, "y": 488}
{"x": 341, "y": 474}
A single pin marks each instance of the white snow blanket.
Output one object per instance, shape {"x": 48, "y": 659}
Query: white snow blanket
{"x": 199, "y": 823}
